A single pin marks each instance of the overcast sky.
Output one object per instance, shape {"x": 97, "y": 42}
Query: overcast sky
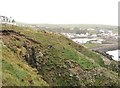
{"x": 62, "y": 11}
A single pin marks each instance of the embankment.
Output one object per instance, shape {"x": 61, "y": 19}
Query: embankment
{"x": 102, "y": 49}
{"x": 106, "y": 47}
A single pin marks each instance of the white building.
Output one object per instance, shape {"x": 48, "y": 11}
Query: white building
{"x": 87, "y": 40}
{"x": 90, "y": 29}
{"x": 7, "y": 20}
{"x": 94, "y": 35}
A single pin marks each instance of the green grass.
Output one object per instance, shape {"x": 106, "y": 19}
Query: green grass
{"x": 17, "y": 73}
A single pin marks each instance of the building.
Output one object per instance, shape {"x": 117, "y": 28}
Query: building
{"x": 7, "y": 20}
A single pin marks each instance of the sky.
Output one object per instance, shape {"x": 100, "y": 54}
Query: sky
{"x": 62, "y": 11}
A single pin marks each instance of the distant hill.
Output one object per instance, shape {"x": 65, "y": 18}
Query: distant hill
{"x": 40, "y": 58}
{"x": 72, "y": 27}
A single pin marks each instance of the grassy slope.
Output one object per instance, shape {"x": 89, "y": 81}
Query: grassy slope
{"x": 58, "y": 65}
{"x": 16, "y": 72}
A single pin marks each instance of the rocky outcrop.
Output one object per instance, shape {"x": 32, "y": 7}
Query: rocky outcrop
{"x": 104, "y": 54}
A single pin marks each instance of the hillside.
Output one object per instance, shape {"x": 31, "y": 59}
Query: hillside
{"x": 41, "y": 58}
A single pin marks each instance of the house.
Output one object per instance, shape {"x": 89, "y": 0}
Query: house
{"x": 94, "y": 35}
{"x": 90, "y": 29}
{"x": 7, "y": 20}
